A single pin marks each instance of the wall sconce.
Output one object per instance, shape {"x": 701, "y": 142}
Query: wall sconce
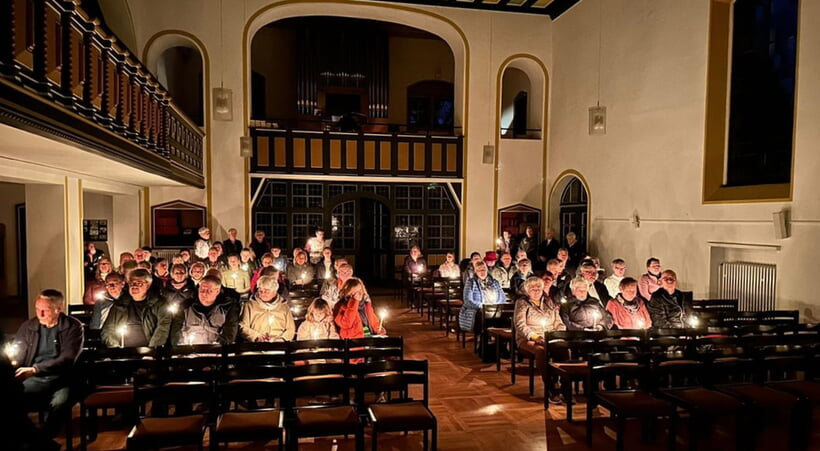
{"x": 223, "y": 104}
{"x": 635, "y": 220}
{"x": 245, "y": 147}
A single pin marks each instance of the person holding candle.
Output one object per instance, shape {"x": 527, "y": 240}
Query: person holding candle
{"x": 355, "y": 315}
{"x": 266, "y": 317}
{"x": 279, "y": 260}
{"x": 246, "y": 261}
{"x": 667, "y": 307}
{"x": 234, "y": 277}
{"x": 504, "y": 270}
{"x": 318, "y": 324}
{"x": 144, "y": 316}
{"x": 415, "y": 264}
{"x": 449, "y": 269}
{"x": 583, "y": 312}
{"x": 114, "y": 283}
{"x": 95, "y": 288}
{"x": 210, "y": 319}
{"x": 203, "y": 244}
{"x": 315, "y": 245}
{"x": 535, "y": 315}
{"x": 517, "y": 280}
{"x": 180, "y": 290}
{"x": 331, "y": 289}
{"x": 479, "y": 290}
{"x": 46, "y": 348}
{"x": 301, "y": 272}
{"x": 628, "y": 308}
{"x": 325, "y": 269}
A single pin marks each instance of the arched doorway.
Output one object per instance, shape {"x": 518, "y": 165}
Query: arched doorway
{"x": 573, "y": 210}
{"x": 363, "y": 226}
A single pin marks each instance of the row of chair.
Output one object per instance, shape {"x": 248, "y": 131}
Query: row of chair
{"x": 243, "y": 402}
{"x": 745, "y": 378}
{"x": 108, "y": 374}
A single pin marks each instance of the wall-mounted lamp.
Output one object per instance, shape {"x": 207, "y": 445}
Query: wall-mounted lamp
{"x": 223, "y": 104}
{"x": 245, "y": 147}
{"x": 636, "y": 220}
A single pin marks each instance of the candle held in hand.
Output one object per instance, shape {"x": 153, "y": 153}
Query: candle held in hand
{"x": 122, "y": 330}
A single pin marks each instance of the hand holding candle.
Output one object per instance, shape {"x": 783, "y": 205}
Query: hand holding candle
{"x": 383, "y": 316}
{"x": 693, "y": 321}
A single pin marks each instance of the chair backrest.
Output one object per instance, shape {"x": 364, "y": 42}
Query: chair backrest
{"x": 392, "y": 376}
{"x": 116, "y": 366}
{"x": 455, "y": 289}
{"x": 780, "y": 317}
{"x": 628, "y": 369}
{"x": 243, "y": 384}
{"x": 256, "y": 353}
{"x": 317, "y": 379}
{"x": 327, "y": 349}
{"x": 571, "y": 345}
{"x": 495, "y": 315}
{"x": 676, "y": 369}
{"x": 726, "y": 358}
{"x": 715, "y": 305}
{"x": 373, "y": 349}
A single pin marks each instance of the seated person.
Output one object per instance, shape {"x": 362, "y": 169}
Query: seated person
{"x": 214, "y": 261}
{"x": 613, "y": 282}
{"x": 415, "y": 264}
{"x": 138, "y": 319}
{"x": 318, "y": 324}
{"x": 503, "y": 271}
{"x": 315, "y": 245}
{"x": 479, "y": 290}
{"x": 235, "y": 277}
{"x": 582, "y": 312}
{"x": 355, "y": 315}
{"x": 468, "y": 267}
{"x": 651, "y": 281}
{"x": 597, "y": 289}
{"x": 46, "y": 348}
{"x": 197, "y": 271}
{"x": 180, "y": 290}
{"x": 517, "y": 280}
{"x": 211, "y": 318}
{"x": 95, "y": 288}
{"x": 667, "y": 307}
{"x": 324, "y": 268}
{"x": 301, "y": 272}
{"x": 279, "y": 260}
{"x": 265, "y": 262}
{"x": 536, "y": 314}
{"x": 247, "y": 261}
{"x": 331, "y": 289}
{"x": 266, "y": 317}
{"x": 628, "y": 309}
{"x": 114, "y": 284}
{"x": 449, "y": 269}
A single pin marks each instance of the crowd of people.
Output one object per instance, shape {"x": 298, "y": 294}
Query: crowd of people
{"x": 224, "y": 292}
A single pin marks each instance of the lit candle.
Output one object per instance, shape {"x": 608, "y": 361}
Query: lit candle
{"x": 189, "y": 338}
{"x": 304, "y": 277}
{"x": 693, "y": 321}
{"x": 173, "y": 308}
{"x": 596, "y": 316}
{"x": 499, "y": 242}
{"x": 421, "y": 269}
{"x": 122, "y": 330}
{"x": 99, "y": 296}
{"x": 315, "y": 334}
{"x": 234, "y": 275}
{"x": 563, "y": 299}
{"x": 383, "y": 316}
{"x": 278, "y": 265}
{"x": 270, "y": 322}
{"x": 11, "y": 352}
{"x": 641, "y": 324}
{"x": 544, "y": 327}
{"x": 245, "y": 267}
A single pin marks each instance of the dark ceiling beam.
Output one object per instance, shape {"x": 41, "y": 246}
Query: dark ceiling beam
{"x": 553, "y": 10}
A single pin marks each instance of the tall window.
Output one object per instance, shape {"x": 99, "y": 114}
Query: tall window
{"x": 752, "y": 62}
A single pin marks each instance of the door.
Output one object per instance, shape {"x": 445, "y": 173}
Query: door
{"x": 374, "y": 238}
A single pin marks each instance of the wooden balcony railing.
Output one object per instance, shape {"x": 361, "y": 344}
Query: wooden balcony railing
{"x": 286, "y": 151}
{"x": 64, "y": 77}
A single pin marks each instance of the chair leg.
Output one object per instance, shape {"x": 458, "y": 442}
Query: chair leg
{"x": 589, "y": 421}
{"x": 513, "y": 361}
{"x": 566, "y": 387}
{"x": 619, "y": 440}
{"x": 673, "y": 426}
{"x": 425, "y": 436}
{"x": 532, "y": 375}
{"x": 375, "y": 445}
{"x": 435, "y": 436}
{"x": 497, "y": 354}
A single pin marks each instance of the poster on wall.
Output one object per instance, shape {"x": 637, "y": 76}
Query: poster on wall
{"x": 95, "y": 230}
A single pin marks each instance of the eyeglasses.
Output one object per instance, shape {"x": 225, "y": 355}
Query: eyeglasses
{"x": 113, "y": 285}
{"x": 138, "y": 283}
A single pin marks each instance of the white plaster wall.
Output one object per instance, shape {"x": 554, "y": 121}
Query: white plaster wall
{"x": 520, "y": 164}
{"x": 411, "y": 61}
{"x": 490, "y": 39}
{"x": 46, "y": 233}
{"x": 653, "y": 83}
{"x": 124, "y": 235}
{"x": 11, "y": 194}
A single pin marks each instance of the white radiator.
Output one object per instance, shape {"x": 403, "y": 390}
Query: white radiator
{"x": 752, "y": 284}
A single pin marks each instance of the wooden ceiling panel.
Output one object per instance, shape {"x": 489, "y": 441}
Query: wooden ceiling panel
{"x": 551, "y": 8}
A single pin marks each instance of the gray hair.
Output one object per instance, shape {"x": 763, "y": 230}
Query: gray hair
{"x": 533, "y": 280}
{"x": 268, "y": 283}
{"x": 54, "y": 297}
{"x": 141, "y": 274}
{"x": 577, "y": 281}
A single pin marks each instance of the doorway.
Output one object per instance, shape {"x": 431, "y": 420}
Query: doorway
{"x": 373, "y": 231}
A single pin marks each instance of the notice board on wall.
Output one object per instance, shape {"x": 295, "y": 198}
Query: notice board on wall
{"x": 95, "y": 230}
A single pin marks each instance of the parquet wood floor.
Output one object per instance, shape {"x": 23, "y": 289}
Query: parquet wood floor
{"x": 477, "y": 408}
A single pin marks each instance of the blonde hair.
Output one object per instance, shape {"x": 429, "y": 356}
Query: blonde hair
{"x": 318, "y": 304}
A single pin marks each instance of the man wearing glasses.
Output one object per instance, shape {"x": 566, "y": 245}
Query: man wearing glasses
{"x": 114, "y": 284}
{"x": 667, "y": 307}
{"x": 139, "y": 318}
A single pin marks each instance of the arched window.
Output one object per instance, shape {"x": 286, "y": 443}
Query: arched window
{"x": 179, "y": 69}
{"x": 573, "y": 210}
{"x": 515, "y": 89}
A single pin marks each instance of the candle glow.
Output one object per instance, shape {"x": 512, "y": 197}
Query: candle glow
{"x": 693, "y": 322}
{"x": 122, "y": 330}
{"x": 173, "y": 308}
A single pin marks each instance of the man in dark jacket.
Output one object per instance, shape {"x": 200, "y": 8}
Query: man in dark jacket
{"x": 180, "y": 290}
{"x": 211, "y": 318}
{"x": 667, "y": 307}
{"x": 139, "y": 319}
{"x": 46, "y": 348}
{"x": 583, "y": 312}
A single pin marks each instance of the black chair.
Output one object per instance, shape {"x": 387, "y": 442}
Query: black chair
{"x": 618, "y": 381}
{"x": 256, "y": 353}
{"x": 181, "y": 399}
{"x": 243, "y": 394}
{"x": 402, "y": 413}
{"x": 780, "y": 317}
{"x": 303, "y": 352}
{"x": 567, "y": 352}
{"x": 335, "y": 416}
{"x": 108, "y": 384}
{"x": 82, "y": 312}
{"x": 374, "y": 349}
